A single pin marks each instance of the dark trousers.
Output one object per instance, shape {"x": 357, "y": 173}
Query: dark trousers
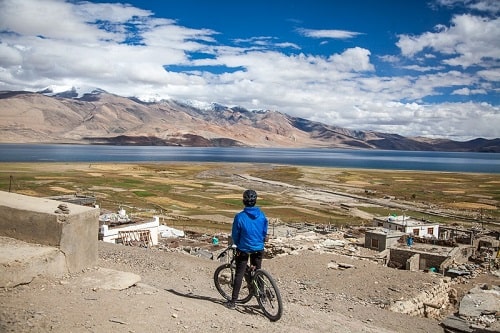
{"x": 241, "y": 261}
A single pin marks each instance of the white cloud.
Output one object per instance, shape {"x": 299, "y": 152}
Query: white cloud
{"x": 334, "y": 34}
{"x": 59, "y": 43}
{"x": 355, "y": 59}
{"x": 491, "y": 6}
{"x": 459, "y": 121}
{"x": 467, "y": 92}
{"x": 112, "y": 12}
{"x": 389, "y": 58}
{"x": 48, "y": 19}
{"x": 422, "y": 68}
{"x": 470, "y": 40}
{"x": 11, "y": 56}
{"x": 492, "y": 74}
{"x": 487, "y": 6}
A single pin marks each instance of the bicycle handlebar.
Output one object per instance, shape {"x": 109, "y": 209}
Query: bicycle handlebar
{"x": 229, "y": 248}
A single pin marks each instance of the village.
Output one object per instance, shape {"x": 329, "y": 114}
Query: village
{"x": 398, "y": 242}
{"x": 413, "y": 267}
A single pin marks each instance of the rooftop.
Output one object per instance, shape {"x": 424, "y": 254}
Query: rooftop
{"x": 407, "y": 221}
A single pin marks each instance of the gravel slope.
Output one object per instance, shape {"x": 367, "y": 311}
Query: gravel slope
{"x": 177, "y": 294}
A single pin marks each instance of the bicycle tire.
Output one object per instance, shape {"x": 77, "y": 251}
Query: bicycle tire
{"x": 224, "y": 282}
{"x": 268, "y": 296}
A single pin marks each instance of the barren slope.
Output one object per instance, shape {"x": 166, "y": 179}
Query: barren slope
{"x": 176, "y": 294}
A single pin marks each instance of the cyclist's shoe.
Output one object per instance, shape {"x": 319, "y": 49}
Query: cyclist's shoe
{"x": 230, "y": 305}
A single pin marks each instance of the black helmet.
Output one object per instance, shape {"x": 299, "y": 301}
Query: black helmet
{"x": 249, "y": 198}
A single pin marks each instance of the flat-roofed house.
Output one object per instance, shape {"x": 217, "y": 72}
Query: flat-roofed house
{"x": 408, "y": 225}
{"x": 379, "y": 239}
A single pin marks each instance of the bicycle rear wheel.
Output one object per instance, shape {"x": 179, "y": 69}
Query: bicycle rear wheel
{"x": 268, "y": 295}
{"x": 224, "y": 282}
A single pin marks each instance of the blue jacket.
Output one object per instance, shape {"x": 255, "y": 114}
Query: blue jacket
{"x": 250, "y": 229}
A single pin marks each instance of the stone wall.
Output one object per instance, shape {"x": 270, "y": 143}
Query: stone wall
{"x": 402, "y": 258}
{"x": 73, "y": 229}
{"x": 430, "y": 303}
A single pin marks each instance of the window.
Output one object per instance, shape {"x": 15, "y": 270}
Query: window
{"x": 430, "y": 231}
{"x": 416, "y": 232}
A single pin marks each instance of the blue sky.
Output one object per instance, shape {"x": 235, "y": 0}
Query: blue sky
{"x": 414, "y": 67}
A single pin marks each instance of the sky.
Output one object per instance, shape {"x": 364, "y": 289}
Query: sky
{"x": 413, "y": 67}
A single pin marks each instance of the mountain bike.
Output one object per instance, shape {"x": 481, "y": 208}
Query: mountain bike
{"x": 259, "y": 284}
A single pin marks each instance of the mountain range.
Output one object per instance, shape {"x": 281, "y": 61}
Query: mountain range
{"x": 98, "y": 117}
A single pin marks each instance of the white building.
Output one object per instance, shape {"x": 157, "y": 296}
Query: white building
{"x": 408, "y": 225}
{"x": 131, "y": 232}
{"x": 169, "y": 232}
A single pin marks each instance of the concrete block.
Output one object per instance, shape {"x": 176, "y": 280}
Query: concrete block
{"x": 21, "y": 262}
{"x": 40, "y": 221}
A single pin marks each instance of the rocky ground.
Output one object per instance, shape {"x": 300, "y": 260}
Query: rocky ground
{"x": 177, "y": 294}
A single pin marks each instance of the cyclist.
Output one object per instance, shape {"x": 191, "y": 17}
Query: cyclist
{"x": 248, "y": 233}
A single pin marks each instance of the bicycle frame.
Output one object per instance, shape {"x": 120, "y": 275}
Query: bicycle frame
{"x": 249, "y": 271}
{"x": 259, "y": 283}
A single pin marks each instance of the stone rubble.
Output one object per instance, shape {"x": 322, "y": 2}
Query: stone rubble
{"x": 433, "y": 302}
{"x": 62, "y": 209}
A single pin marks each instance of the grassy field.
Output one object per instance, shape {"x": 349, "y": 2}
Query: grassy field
{"x": 207, "y": 195}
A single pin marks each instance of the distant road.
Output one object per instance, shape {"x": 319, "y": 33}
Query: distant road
{"x": 379, "y": 202}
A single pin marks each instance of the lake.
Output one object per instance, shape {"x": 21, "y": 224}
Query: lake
{"x": 335, "y": 158}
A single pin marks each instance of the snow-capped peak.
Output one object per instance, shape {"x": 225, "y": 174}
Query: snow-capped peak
{"x": 70, "y": 91}
{"x": 198, "y": 104}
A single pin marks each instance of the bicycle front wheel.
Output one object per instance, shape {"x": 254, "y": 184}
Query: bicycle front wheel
{"x": 224, "y": 283}
{"x": 268, "y": 295}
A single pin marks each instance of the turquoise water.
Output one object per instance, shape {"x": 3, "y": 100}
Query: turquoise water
{"x": 337, "y": 158}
